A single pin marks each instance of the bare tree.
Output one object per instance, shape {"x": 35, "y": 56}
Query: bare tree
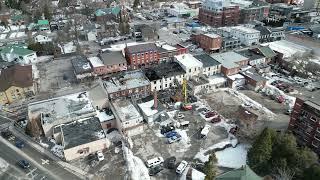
{"x": 284, "y": 174}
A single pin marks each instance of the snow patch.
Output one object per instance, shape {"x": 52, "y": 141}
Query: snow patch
{"x": 185, "y": 140}
{"x": 135, "y": 166}
{"x": 114, "y": 136}
{"x": 3, "y": 165}
{"x": 233, "y": 157}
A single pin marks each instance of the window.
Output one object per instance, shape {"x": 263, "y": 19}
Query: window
{"x": 17, "y": 90}
{"x": 189, "y": 70}
{"x": 313, "y": 119}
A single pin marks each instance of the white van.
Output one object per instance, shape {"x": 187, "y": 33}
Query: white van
{"x": 205, "y": 131}
{"x": 154, "y": 162}
{"x": 182, "y": 166}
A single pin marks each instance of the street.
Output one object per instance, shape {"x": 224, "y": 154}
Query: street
{"x": 44, "y": 165}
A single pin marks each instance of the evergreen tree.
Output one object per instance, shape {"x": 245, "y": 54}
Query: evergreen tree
{"x": 312, "y": 173}
{"x": 47, "y": 12}
{"x": 210, "y": 167}
{"x": 261, "y": 151}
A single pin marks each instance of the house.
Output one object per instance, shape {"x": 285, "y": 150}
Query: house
{"x": 43, "y": 25}
{"x": 42, "y": 39}
{"x": 81, "y": 137}
{"x": 255, "y": 58}
{"x": 231, "y": 62}
{"x": 18, "y": 53}
{"x": 253, "y": 80}
{"x": 89, "y": 32}
{"x": 210, "y": 65}
{"x": 243, "y": 173}
{"x": 247, "y": 36}
{"x": 106, "y": 118}
{"x": 270, "y": 34}
{"x": 230, "y": 43}
{"x": 148, "y": 32}
{"x": 60, "y": 110}
{"x": 191, "y": 65}
{"x": 113, "y": 62}
{"x": 165, "y": 75}
{"x": 16, "y": 83}
{"x": 129, "y": 120}
{"x": 127, "y": 84}
{"x": 141, "y": 55}
{"x": 81, "y": 68}
{"x": 107, "y": 14}
{"x": 182, "y": 10}
{"x": 209, "y": 42}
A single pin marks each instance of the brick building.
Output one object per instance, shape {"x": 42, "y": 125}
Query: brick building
{"x": 219, "y": 13}
{"x": 210, "y": 42}
{"x": 304, "y": 122}
{"x": 141, "y": 55}
{"x": 258, "y": 10}
{"x": 167, "y": 52}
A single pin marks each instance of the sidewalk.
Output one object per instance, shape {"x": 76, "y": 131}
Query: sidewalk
{"x": 74, "y": 170}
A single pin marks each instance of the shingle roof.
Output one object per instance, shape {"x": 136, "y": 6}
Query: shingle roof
{"x": 19, "y": 76}
{"x": 243, "y": 173}
{"x": 142, "y": 48}
{"x": 207, "y": 60}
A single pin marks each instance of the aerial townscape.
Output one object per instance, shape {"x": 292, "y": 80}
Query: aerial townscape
{"x": 159, "y": 89}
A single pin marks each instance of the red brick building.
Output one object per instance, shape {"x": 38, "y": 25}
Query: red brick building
{"x": 304, "y": 123}
{"x": 141, "y": 55}
{"x": 228, "y": 16}
{"x": 209, "y": 42}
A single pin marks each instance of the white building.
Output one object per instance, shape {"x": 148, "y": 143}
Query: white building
{"x": 181, "y": 9}
{"x": 42, "y": 39}
{"x": 215, "y": 5}
{"x": 165, "y": 75}
{"x": 191, "y": 65}
{"x": 18, "y": 53}
{"x": 248, "y": 36}
{"x": 210, "y": 65}
{"x": 128, "y": 118}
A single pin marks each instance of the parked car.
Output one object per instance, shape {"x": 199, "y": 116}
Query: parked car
{"x": 24, "y": 164}
{"x": 180, "y": 116}
{"x": 171, "y": 162}
{"x": 205, "y": 130}
{"x": 210, "y": 114}
{"x": 165, "y": 129}
{"x": 170, "y": 134}
{"x": 154, "y": 162}
{"x": 175, "y": 138}
{"x": 234, "y": 130}
{"x": 155, "y": 170}
{"x": 100, "y": 156}
{"x": 19, "y": 144}
{"x": 184, "y": 124}
{"x": 216, "y": 119}
{"x": 6, "y": 134}
{"x": 182, "y": 166}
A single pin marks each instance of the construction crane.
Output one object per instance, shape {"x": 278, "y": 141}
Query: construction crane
{"x": 185, "y": 105}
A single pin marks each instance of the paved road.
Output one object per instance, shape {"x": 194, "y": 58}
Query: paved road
{"x": 46, "y": 165}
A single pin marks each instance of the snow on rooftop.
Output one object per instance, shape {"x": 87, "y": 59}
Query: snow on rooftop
{"x": 126, "y": 110}
{"x": 236, "y": 76}
{"x": 146, "y": 107}
{"x": 233, "y": 157}
{"x": 212, "y": 35}
{"x": 103, "y": 116}
{"x": 287, "y": 48}
{"x": 216, "y": 79}
{"x": 244, "y": 29}
{"x": 120, "y": 47}
{"x": 95, "y": 61}
{"x": 188, "y": 61}
{"x": 21, "y": 34}
{"x": 3, "y": 36}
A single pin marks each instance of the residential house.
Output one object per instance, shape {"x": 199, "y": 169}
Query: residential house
{"x": 82, "y": 68}
{"x": 230, "y": 43}
{"x": 210, "y": 66}
{"x": 141, "y": 55}
{"x": 191, "y": 65}
{"x": 89, "y": 32}
{"x": 81, "y": 138}
{"x": 43, "y": 25}
{"x": 147, "y": 32}
{"x": 209, "y": 42}
{"x": 16, "y": 83}
{"x": 127, "y": 84}
{"x": 165, "y": 75}
{"x": 270, "y": 34}
{"x": 247, "y": 36}
{"x": 107, "y": 14}
{"x": 18, "y": 53}
{"x": 129, "y": 120}
{"x": 255, "y": 58}
{"x": 42, "y": 39}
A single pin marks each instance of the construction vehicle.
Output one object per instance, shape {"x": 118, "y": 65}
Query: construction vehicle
{"x": 185, "y": 105}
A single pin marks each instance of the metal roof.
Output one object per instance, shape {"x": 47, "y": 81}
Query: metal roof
{"x": 207, "y": 60}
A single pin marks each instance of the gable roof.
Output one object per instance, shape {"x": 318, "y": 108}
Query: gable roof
{"x": 19, "y": 76}
{"x": 16, "y": 49}
{"x": 101, "y": 12}
{"x": 43, "y": 22}
{"x": 243, "y": 173}
{"x": 267, "y": 51}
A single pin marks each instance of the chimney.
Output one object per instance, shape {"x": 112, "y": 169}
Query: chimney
{"x": 155, "y": 99}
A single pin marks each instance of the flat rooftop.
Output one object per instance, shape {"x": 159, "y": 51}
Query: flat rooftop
{"x": 164, "y": 70}
{"x": 252, "y": 74}
{"x": 245, "y": 29}
{"x": 95, "y": 61}
{"x": 62, "y": 108}
{"x": 287, "y": 48}
{"x": 212, "y": 35}
{"x": 250, "y": 54}
{"x": 126, "y": 80}
{"x": 81, "y": 65}
{"x": 229, "y": 59}
{"x": 81, "y": 132}
{"x": 125, "y": 110}
{"x": 207, "y": 60}
{"x": 188, "y": 60}
{"x": 111, "y": 58}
